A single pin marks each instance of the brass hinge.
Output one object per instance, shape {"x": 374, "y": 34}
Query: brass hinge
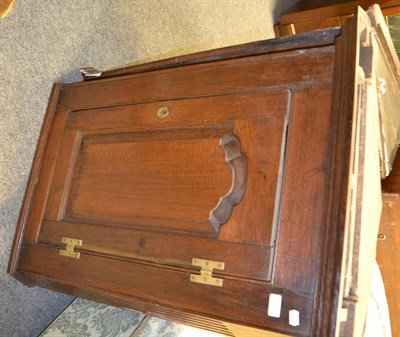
{"x": 70, "y": 246}
{"x": 206, "y": 270}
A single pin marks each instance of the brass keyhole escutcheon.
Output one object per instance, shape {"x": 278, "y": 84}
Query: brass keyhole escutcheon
{"x": 162, "y": 112}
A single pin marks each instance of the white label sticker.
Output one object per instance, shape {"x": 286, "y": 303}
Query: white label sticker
{"x": 294, "y": 318}
{"x": 274, "y": 305}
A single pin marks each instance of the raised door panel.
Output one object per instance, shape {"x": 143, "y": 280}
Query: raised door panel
{"x": 149, "y": 180}
{"x": 201, "y": 181}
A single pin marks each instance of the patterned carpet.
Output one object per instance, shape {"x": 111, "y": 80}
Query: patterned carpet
{"x": 89, "y": 319}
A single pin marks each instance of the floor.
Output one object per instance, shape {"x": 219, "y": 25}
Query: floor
{"x": 90, "y": 319}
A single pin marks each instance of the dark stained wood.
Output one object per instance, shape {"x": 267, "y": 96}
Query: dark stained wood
{"x": 200, "y": 322}
{"x": 174, "y": 290}
{"x": 261, "y": 140}
{"x": 307, "y": 26}
{"x": 31, "y": 188}
{"x": 239, "y": 75}
{"x": 117, "y": 179}
{"x": 162, "y": 248}
{"x": 238, "y": 162}
{"x": 388, "y": 256}
{"x": 304, "y": 197}
{"x": 309, "y": 15}
{"x": 266, "y": 140}
{"x": 222, "y": 109}
{"x": 317, "y": 9}
{"x": 44, "y": 177}
{"x": 394, "y": 10}
{"x": 343, "y": 107}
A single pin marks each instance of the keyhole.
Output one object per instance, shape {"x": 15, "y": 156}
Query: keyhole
{"x": 162, "y": 112}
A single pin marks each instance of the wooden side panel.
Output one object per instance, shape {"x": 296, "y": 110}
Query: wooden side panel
{"x": 328, "y": 297}
{"x": 304, "y": 190}
{"x": 44, "y": 151}
{"x": 363, "y": 206}
{"x": 45, "y": 176}
{"x": 388, "y": 256}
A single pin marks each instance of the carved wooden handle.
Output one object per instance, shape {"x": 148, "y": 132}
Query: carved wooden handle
{"x": 237, "y": 160}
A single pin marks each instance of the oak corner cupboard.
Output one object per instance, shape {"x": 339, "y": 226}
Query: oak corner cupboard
{"x": 236, "y": 190}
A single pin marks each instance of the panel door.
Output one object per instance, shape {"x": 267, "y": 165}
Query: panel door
{"x": 171, "y": 181}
